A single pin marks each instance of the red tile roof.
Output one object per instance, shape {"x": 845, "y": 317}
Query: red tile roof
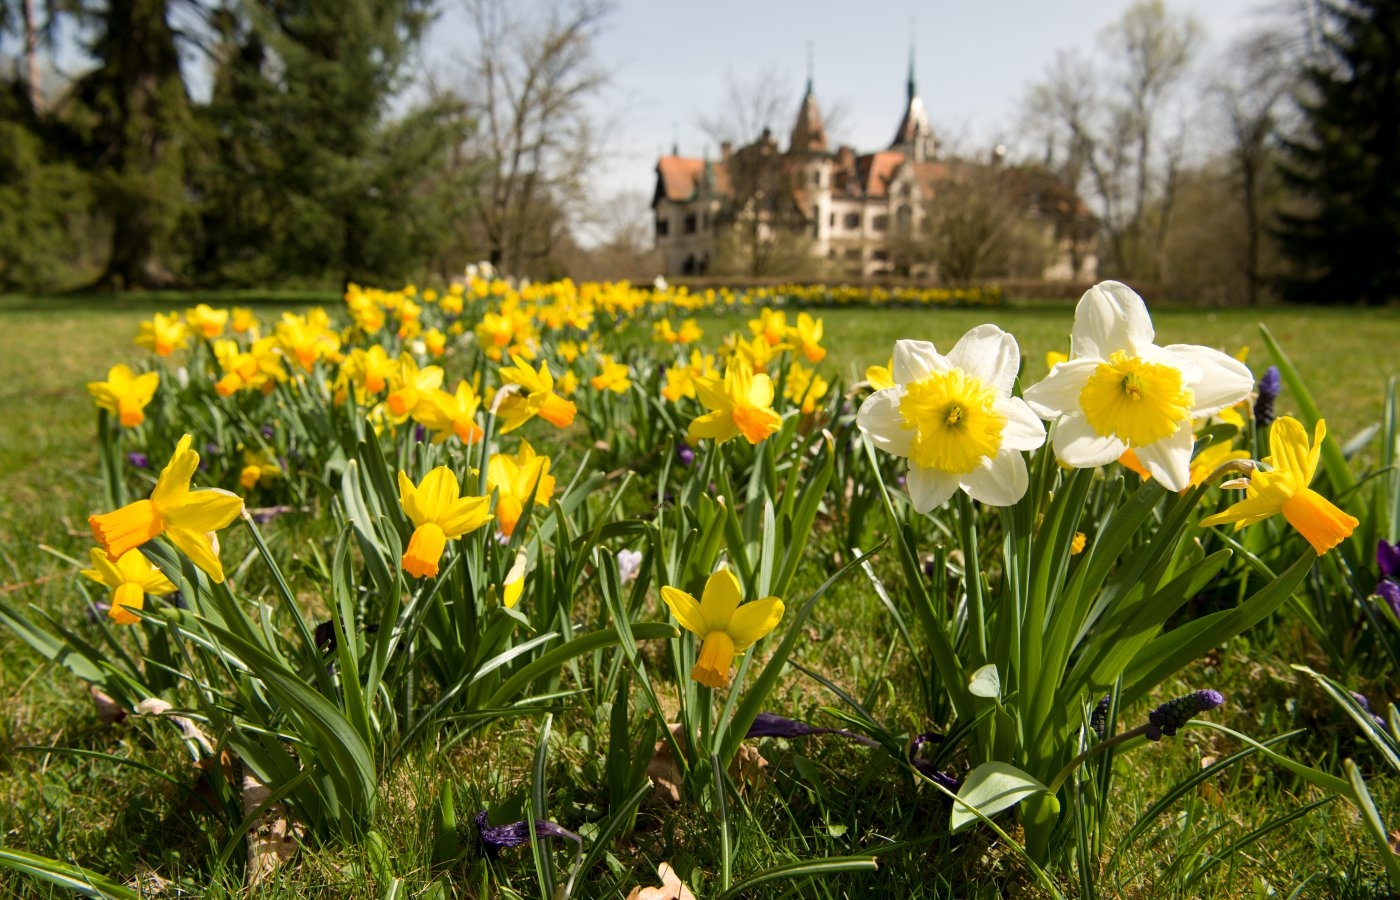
{"x": 678, "y": 177}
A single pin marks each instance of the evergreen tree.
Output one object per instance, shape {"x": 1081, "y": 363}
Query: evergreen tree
{"x": 305, "y": 179}
{"x": 1343, "y": 232}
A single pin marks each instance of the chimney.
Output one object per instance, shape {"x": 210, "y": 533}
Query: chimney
{"x": 725, "y": 148}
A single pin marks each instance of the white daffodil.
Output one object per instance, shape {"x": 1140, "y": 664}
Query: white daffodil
{"x": 1119, "y": 390}
{"x": 955, "y": 420}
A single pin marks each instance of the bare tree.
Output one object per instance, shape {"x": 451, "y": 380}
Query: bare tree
{"x": 1126, "y": 141}
{"x": 531, "y": 83}
{"x": 1257, "y": 75}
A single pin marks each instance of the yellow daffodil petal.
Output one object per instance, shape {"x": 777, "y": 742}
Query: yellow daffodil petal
{"x": 125, "y": 598}
{"x": 467, "y": 514}
{"x": 686, "y": 610}
{"x": 720, "y": 598}
{"x": 199, "y": 547}
{"x": 174, "y": 481}
{"x": 205, "y": 510}
{"x": 752, "y": 621}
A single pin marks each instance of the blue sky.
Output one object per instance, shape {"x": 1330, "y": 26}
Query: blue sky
{"x": 975, "y": 60}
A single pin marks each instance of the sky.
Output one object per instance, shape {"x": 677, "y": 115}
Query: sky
{"x": 975, "y": 60}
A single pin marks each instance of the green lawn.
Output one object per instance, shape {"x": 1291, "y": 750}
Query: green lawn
{"x": 122, "y": 819}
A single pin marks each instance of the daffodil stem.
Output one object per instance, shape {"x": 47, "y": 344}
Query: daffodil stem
{"x": 1101, "y": 746}
{"x": 972, "y": 575}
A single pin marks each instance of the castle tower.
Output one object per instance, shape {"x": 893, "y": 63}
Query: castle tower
{"x": 915, "y": 136}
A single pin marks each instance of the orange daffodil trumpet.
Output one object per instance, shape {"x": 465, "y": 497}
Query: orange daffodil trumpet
{"x": 125, "y": 394}
{"x": 724, "y": 627}
{"x": 1118, "y": 390}
{"x": 130, "y": 578}
{"x": 1283, "y": 488}
{"x": 955, "y": 420}
{"x": 439, "y": 514}
{"x": 187, "y": 518}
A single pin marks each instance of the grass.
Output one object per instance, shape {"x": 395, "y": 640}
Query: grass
{"x": 819, "y": 797}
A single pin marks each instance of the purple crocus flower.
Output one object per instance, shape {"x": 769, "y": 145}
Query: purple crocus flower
{"x": 1388, "y": 561}
{"x": 685, "y": 454}
{"x": 1173, "y": 714}
{"x": 1270, "y": 383}
{"x": 138, "y": 459}
{"x": 773, "y": 725}
{"x": 495, "y": 838}
{"x": 268, "y": 431}
{"x": 927, "y": 768}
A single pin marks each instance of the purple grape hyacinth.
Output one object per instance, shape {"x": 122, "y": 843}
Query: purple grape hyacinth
{"x": 1173, "y": 714}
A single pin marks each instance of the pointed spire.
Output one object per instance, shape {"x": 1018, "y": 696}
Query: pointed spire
{"x": 809, "y": 69}
{"x": 808, "y": 133}
{"x": 913, "y": 90}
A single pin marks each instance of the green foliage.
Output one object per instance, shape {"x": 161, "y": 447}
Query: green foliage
{"x": 45, "y": 214}
{"x": 1345, "y": 167}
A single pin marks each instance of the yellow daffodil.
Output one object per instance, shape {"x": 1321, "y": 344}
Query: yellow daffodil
{"x": 125, "y": 394}
{"x": 439, "y": 514}
{"x": 739, "y": 403}
{"x": 1283, "y": 488}
{"x": 955, "y": 419}
{"x": 130, "y": 578}
{"x": 435, "y": 342}
{"x": 259, "y": 468}
{"x": 808, "y": 336}
{"x": 244, "y": 321}
{"x": 612, "y": 375}
{"x": 307, "y": 338}
{"x": 257, "y": 368}
{"x": 1076, "y": 544}
{"x": 1119, "y": 390}
{"x": 371, "y": 369}
{"x": 724, "y": 627}
{"x": 513, "y": 478}
{"x": 446, "y": 415}
{"x": 1212, "y": 458}
{"x": 771, "y": 325}
{"x": 533, "y": 396}
{"x": 1053, "y": 358}
{"x": 414, "y": 384}
{"x": 163, "y": 335}
{"x": 514, "y": 585}
{"x": 880, "y": 377}
{"x": 206, "y": 320}
{"x": 187, "y": 518}
{"x": 804, "y": 387}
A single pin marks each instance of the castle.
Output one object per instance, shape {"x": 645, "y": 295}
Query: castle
{"x": 809, "y": 210}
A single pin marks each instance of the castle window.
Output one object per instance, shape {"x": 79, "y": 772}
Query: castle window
{"x": 832, "y": 220}
{"x": 853, "y": 221}
{"x": 663, "y": 227}
{"x": 880, "y": 223}
{"x": 689, "y": 227}
{"x": 881, "y": 256}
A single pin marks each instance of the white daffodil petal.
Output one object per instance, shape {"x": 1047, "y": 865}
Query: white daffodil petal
{"x": 1023, "y": 429}
{"x": 1078, "y": 445}
{"x": 1057, "y": 394}
{"x": 914, "y": 360}
{"x": 1110, "y": 316}
{"x": 1000, "y": 481}
{"x": 1169, "y": 460}
{"x": 880, "y": 418}
{"x": 929, "y": 488}
{"x": 988, "y": 354}
{"x": 1224, "y": 380}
